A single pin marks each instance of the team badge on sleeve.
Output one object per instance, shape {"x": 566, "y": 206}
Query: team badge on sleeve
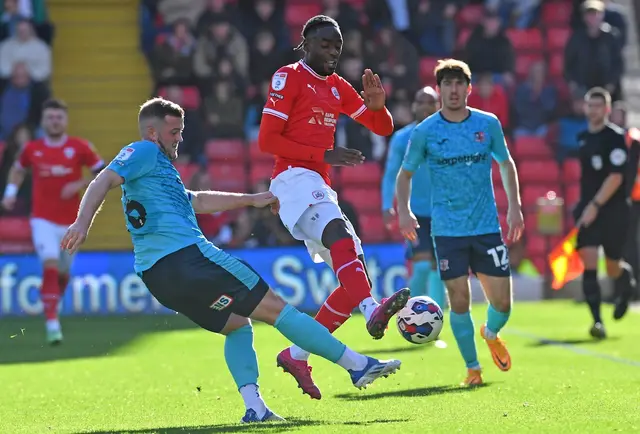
{"x": 335, "y": 93}
{"x": 618, "y": 157}
{"x": 279, "y": 80}
{"x": 125, "y": 154}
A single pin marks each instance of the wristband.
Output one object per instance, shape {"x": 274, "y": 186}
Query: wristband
{"x": 11, "y": 191}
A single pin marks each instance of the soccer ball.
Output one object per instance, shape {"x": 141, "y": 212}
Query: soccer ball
{"x": 420, "y": 321}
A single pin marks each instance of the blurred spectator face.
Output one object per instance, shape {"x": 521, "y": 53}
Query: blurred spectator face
{"x": 181, "y": 30}
{"x": 23, "y": 136}
{"x": 220, "y": 31}
{"x": 265, "y": 42}
{"x": 223, "y": 92}
{"x": 485, "y": 86}
{"x": 538, "y": 73}
{"x": 352, "y": 68}
{"x": 578, "y": 106}
{"x": 619, "y": 114}
{"x": 593, "y": 18}
{"x": 24, "y": 31}
{"x": 386, "y": 36}
{"x": 353, "y": 43}
{"x": 54, "y": 122}
{"x": 331, "y": 4}
{"x": 491, "y": 24}
{"x": 225, "y": 68}
{"x": 425, "y": 104}
{"x": 11, "y": 7}
{"x": 175, "y": 94}
{"x": 264, "y": 9}
{"x": 216, "y": 6}
{"x": 20, "y": 75}
{"x": 596, "y": 110}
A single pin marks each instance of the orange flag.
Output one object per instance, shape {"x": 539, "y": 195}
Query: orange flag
{"x": 564, "y": 261}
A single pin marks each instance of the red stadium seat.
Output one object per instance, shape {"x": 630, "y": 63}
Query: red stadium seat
{"x": 427, "y": 65}
{"x": 15, "y": 229}
{"x": 571, "y": 170}
{"x": 190, "y": 96}
{"x": 531, "y": 194}
{"x": 525, "y": 39}
{"x": 556, "y": 13}
{"x": 463, "y": 37}
{"x": 372, "y": 228}
{"x": 536, "y": 245}
{"x": 524, "y": 62}
{"x": 557, "y": 38}
{"x": 298, "y": 14}
{"x": 571, "y": 195}
{"x": 532, "y": 147}
{"x": 186, "y": 171}
{"x": 367, "y": 174}
{"x": 501, "y": 198}
{"x": 470, "y": 15}
{"x": 556, "y": 64}
{"x": 495, "y": 174}
{"x": 225, "y": 150}
{"x": 255, "y": 154}
{"x": 538, "y": 171}
{"x": 260, "y": 172}
{"x": 363, "y": 199}
{"x": 228, "y": 176}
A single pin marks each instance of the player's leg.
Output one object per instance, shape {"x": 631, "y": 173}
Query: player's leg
{"x": 48, "y": 248}
{"x": 614, "y": 238}
{"x": 65, "y": 261}
{"x": 453, "y": 258}
{"x": 490, "y": 262}
{"x": 423, "y": 256}
{"x": 588, "y": 241}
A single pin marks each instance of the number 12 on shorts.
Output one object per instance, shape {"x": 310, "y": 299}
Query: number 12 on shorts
{"x": 500, "y": 256}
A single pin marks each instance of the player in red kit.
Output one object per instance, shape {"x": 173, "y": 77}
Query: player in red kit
{"x": 298, "y": 127}
{"x": 56, "y": 162}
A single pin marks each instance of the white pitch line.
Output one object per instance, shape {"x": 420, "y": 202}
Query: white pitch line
{"x": 574, "y": 348}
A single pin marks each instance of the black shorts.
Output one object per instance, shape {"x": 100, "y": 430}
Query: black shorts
{"x": 609, "y": 230}
{"x": 486, "y": 254}
{"x": 206, "y": 285}
{"x": 424, "y": 242}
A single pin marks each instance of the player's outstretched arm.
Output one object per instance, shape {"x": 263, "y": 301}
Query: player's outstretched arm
{"x": 209, "y": 202}
{"x": 368, "y": 108}
{"x": 89, "y": 206}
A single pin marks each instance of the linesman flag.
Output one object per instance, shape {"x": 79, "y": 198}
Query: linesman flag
{"x": 564, "y": 261}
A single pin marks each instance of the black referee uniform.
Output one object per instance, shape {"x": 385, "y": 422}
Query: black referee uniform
{"x": 603, "y": 153}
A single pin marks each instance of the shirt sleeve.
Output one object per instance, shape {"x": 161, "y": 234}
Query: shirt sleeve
{"x": 416, "y": 153}
{"x": 90, "y": 156}
{"x": 379, "y": 122}
{"x": 135, "y": 160}
{"x": 499, "y": 148}
{"x": 619, "y": 155}
{"x": 24, "y": 160}
{"x": 392, "y": 167}
{"x": 282, "y": 94}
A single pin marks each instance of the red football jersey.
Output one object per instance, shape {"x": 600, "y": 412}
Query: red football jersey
{"x": 310, "y": 105}
{"x": 54, "y": 165}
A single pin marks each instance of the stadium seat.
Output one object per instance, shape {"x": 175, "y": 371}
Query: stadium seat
{"x": 15, "y": 229}
{"x": 501, "y": 197}
{"x": 571, "y": 195}
{"x": 463, "y": 37}
{"x": 255, "y": 154}
{"x": 536, "y": 245}
{"x": 538, "y": 171}
{"x": 571, "y": 170}
{"x": 228, "y": 176}
{"x": 225, "y": 150}
{"x": 186, "y": 171}
{"x": 363, "y": 199}
{"x": 470, "y": 15}
{"x": 298, "y": 14}
{"x": 427, "y": 65}
{"x": 556, "y": 64}
{"x": 531, "y": 194}
{"x": 191, "y": 96}
{"x": 367, "y": 174}
{"x": 495, "y": 174}
{"x": 556, "y": 13}
{"x": 260, "y": 171}
{"x": 525, "y": 39}
{"x": 524, "y": 62}
{"x": 557, "y": 39}
{"x": 372, "y": 228}
{"x": 532, "y": 147}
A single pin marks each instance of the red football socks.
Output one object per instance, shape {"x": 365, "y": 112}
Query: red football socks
{"x": 50, "y": 293}
{"x": 336, "y": 310}
{"x": 349, "y": 270}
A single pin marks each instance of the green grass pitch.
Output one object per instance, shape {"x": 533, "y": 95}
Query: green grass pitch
{"x": 160, "y": 374}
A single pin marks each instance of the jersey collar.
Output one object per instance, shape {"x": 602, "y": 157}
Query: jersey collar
{"x": 311, "y": 71}
{"x": 57, "y": 143}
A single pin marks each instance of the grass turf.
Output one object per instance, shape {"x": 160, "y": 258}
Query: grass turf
{"x": 160, "y": 374}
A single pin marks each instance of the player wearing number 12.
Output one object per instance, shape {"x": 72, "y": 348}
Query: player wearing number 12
{"x": 457, "y": 144}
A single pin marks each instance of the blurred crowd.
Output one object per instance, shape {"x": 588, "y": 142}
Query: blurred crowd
{"x": 532, "y": 62}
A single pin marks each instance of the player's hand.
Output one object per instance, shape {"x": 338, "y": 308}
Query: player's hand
{"x": 74, "y": 237}
{"x": 8, "y": 203}
{"x": 389, "y": 217}
{"x": 340, "y": 156}
{"x": 260, "y": 200}
{"x": 588, "y": 215}
{"x": 373, "y": 94}
{"x": 70, "y": 189}
{"x": 515, "y": 220}
{"x": 408, "y": 224}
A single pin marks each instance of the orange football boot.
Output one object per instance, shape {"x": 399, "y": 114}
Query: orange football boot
{"x": 498, "y": 349}
{"x": 474, "y": 378}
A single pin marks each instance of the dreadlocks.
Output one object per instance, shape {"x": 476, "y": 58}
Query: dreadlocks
{"x": 314, "y": 23}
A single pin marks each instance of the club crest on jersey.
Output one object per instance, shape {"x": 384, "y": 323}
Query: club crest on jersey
{"x": 318, "y": 195}
{"x": 69, "y": 152}
{"x": 278, "y": 81}
{"x": 479, "y": 136}
{"x": 444, "y": 265}
{"x": 335, "y": 93}
{"x": 596, "y": 162}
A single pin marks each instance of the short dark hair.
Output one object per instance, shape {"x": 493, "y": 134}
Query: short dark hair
{"x": 158, "y": 108}
{"x": 452, "y": 68}
{"x": 599, "y": 92}
{"x": 314, "y": 23}
{"x": 54, "y": 103}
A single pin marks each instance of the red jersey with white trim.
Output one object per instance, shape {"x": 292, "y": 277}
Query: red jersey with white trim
{"x": 310, "y": 105}
{"x": 54, "y": 165}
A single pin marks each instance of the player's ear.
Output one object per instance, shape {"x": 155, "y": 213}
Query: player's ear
{"x": 469, "y": 89}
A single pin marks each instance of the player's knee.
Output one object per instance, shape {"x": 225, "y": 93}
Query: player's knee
{"x": 234, "y": 323}
{"x": 589, "y": 256}
{"x": 502, "y": 303}
{"x": 614, "y": 268}
{"x": 459, "y": 295}
{"x": 269, "y": 308}
{"x": 335, "y": 231}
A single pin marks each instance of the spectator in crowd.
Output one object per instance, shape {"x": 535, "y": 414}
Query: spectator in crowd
{"x": 173, "y": 10}
{"x": 192, "y": 146}
{"x": 489, "y": 50}
{"x": 224, "y": 111}
{"x": 222, "y": 39}
{"x": 434, "y": 27}
{"x": 569, "y": 127}
{"x": 172, "y": 60}
{"x": 613, "y": 15}
{"x": 593, "y": 56}
{"x": 12, "y": 11}
{"x": 216, "y": 227}
{"x": 353, "y": 45}
{"x": 489, "y": 96}
{"x": 20, "y": 101}
{"x": 265, "y": 15}
{"x": 265, "y": 58}
{"x": 25, "y": 47}
{"x": 215, "y": 10}
{"x": 394, "y": 58}
{"x": 343, "y": 13}
{"x": 258, "y": 227}
{"x": 534, "y": 103}
{"x": 520, "y": 13}
{"x": 16, "y": 142}
{"x": 254, "y": 112}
